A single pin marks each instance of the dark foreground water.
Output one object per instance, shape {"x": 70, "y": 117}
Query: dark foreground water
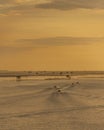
{"x": 38, "y": 105}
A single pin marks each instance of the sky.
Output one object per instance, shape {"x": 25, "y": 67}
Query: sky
{"x": 51, "y": 35}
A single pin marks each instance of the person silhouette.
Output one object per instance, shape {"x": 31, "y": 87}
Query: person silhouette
{"x": 77, "y": 82}
{"x": 59, "y": 91}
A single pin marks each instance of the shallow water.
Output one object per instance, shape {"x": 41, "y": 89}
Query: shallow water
{"x": 37, "y": 105}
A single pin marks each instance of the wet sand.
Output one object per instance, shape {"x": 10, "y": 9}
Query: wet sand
{"x": 38, "y": 105}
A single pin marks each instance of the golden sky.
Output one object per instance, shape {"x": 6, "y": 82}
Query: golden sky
{"x": 51, "y": 34}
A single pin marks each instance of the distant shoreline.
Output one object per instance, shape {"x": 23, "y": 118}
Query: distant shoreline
{"x": 19, "y": 74}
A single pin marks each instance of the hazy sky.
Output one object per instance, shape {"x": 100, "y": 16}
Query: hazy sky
{"x": 51, "y": 34}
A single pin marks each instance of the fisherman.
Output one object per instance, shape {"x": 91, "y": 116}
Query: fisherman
{"x": 77, "y": 82}
{"x": 55, "y": 87}
{"x": 59, "y": 91}
{"x": 72, "y": 85}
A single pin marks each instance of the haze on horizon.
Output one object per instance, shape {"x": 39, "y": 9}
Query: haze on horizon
{"x": 51, "y": 34}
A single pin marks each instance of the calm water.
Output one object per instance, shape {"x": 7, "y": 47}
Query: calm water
{"x": 34, "y": 104}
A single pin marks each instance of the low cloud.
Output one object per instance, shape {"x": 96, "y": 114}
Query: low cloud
{"x": 72, "y": 4}
{"x": 30, "y": 6}
{"x": 12, "y": 49}
{"x": 22, "y": 45}
{"x": 7, "y": 1}
{"x": 18, "y": 6}
{"x": 60, "y": 41}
